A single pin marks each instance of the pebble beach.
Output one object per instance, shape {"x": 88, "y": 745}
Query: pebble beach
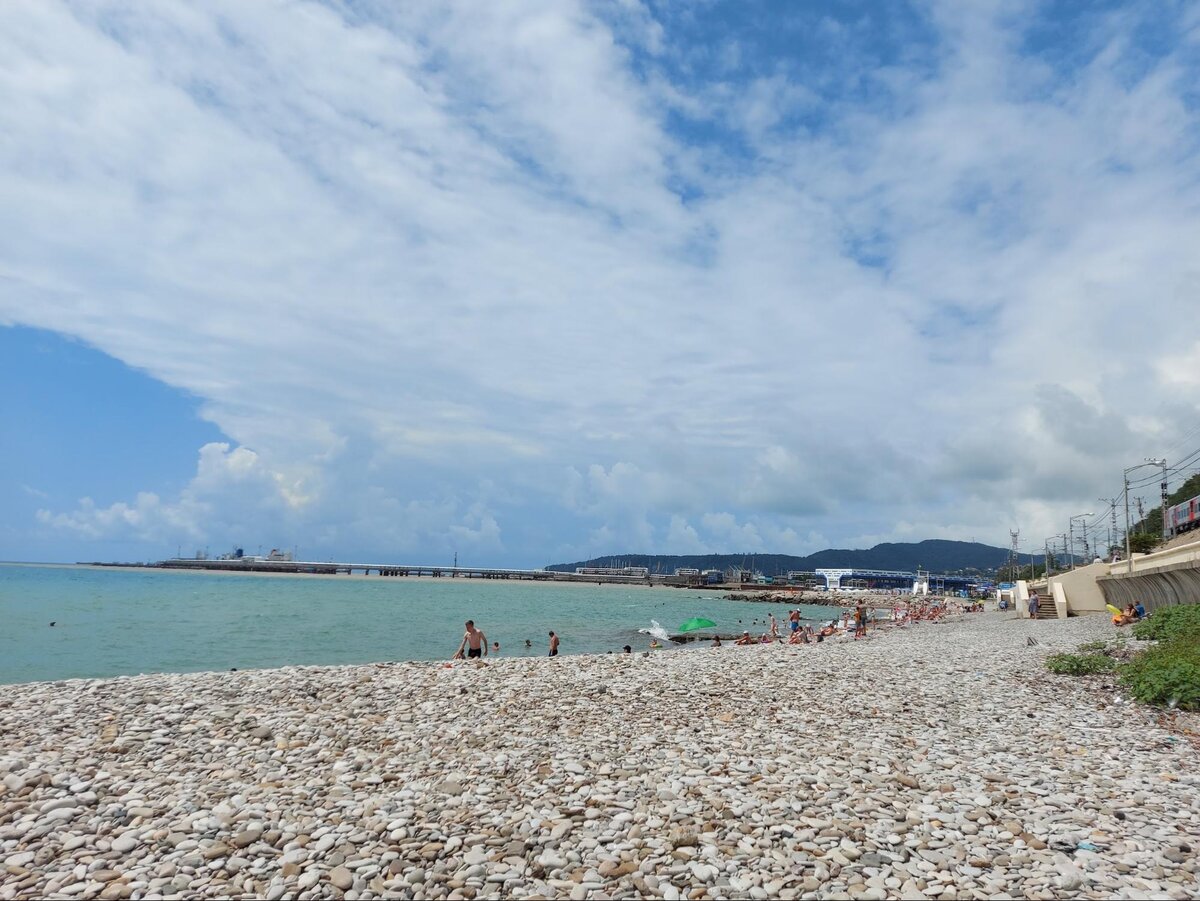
{"x": 935, "y": 760}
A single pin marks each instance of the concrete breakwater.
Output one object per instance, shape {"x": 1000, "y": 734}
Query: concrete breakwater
{"x": 934, "y": 760}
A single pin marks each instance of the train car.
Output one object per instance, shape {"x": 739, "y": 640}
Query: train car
{"x": 1183, "y": 517}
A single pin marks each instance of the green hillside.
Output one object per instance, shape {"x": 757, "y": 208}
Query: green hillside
{"x": 935, "y": 555}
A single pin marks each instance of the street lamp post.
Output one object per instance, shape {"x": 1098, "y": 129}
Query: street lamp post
{"x": 1149, "y": 461}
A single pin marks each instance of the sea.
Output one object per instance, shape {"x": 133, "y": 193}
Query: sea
{"x": 114, "y": 622}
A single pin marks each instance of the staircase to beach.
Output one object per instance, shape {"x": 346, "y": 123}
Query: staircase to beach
{"x": 1047, "y": 609}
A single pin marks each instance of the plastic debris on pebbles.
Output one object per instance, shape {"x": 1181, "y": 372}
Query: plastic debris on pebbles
{"x": 932, "y": 761}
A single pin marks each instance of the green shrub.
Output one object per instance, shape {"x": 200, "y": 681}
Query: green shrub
{"x": 1169, "y": 623}
{"x": 1079, "y": 664}
{"x": 1094, "y": 647}
{"x": 1167, "y": 674}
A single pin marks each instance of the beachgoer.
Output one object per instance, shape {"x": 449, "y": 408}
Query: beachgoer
{"x": 1139, "y": 610}
{"x": 474, "y": 642}
{"x": 1033, "y": 605}
{"x": 627, "y": 649}
{"x": 745, "y": 639}
{"x": 794, "y": 620}
{"x": 716, "y": 641}
{"x": 774, "y": 630}
{"x": 495, "y": 647}
{"x": 528, "y": 643}
{"x": 766, "y": 638}
{"x": 860, "y": 622}
{"x": 654, "y": 645}
{"x": 553, "y": 645}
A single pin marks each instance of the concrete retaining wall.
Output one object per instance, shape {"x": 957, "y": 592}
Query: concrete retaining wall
{"x": 1160, "y": 587}
{"x": 1077, "y": 590}
{"x": 1159, "y": 580}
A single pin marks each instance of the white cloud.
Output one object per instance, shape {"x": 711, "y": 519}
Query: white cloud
{"x": 411, "y": 253}
{"x": 232, "y": 488}
{"x": 682, "y": 538}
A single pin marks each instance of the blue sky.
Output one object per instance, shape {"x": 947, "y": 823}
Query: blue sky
{"x": 543, "y": 280}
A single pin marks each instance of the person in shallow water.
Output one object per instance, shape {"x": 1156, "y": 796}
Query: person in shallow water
{"x": 553, "y": 645}
{"x": 474, "y": 642}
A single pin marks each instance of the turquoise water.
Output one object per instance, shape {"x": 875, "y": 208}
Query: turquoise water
{"x": 119, "y": 622}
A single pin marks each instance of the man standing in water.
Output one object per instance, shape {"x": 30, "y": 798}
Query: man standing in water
{"x": 474, "y": 642}
{"x": 553, "y": 645}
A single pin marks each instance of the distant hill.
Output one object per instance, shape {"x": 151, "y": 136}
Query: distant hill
{"x": 935, "y": 555}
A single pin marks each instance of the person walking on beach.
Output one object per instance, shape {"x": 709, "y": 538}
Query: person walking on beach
{"x": 1033, "y": 605}
{"x": 474, "y": 642}
{"x": 774, "y": 630}
{"x": 794, "y": 619}
{"x": 553, "y": 645}
{"x": 860, "y": 622}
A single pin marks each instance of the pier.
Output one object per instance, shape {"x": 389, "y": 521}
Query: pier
{"x": 299, "y": 567}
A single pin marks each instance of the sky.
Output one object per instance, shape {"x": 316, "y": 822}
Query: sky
{"x": 543, "y": 280}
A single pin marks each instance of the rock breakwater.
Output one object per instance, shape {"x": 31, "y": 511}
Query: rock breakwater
{"x": 934, "y": 760}
{"x": 884, "y": 600}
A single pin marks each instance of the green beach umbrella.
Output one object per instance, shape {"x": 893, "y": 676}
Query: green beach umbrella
{"x": 697, "y": 622}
